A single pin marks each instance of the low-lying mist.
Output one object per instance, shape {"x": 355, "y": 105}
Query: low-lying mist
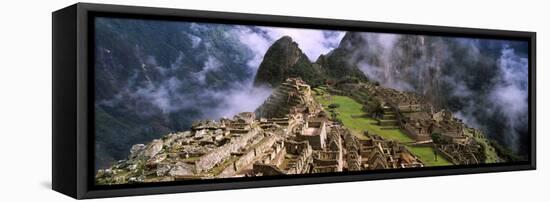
{"x": 484, "y": 82}
{"x": 155, "y": 77}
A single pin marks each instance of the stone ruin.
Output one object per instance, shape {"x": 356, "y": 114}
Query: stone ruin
{"x": 378, "y": 153}
{"x": 417, "y": 118}
{"x": 462, "y": 154}
{"x": 288, "y": 134}
{"x": 409, "y": 112}
{"x": 291, "y": 97}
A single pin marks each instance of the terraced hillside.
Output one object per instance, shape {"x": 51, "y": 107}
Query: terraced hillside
{"x": 352, "y": 116}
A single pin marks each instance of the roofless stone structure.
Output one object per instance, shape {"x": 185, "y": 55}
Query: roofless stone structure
{"x": 288, "y": 134}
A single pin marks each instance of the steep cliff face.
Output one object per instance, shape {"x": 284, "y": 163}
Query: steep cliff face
{"x": 467, "y": 76}
{"x": 285, "y": 59}
{"x": 155, "y": 77}
{"x": 461, "y": 74}
{"x": 336, "y": 64}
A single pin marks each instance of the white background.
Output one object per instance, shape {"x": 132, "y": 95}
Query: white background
{"x": 25, "y": 102}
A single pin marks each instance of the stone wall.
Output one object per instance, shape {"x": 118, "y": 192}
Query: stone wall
{"x": 414, "y": 134}
{"x": 229, "y": 171}
{"x": 278, "y": 154}
{"x": 320, "y": 163}
{"x": 256, "y": 152}
{"x": 221, "y": 153}
{"x": 325, "y": 169}
{"x": 326, "y": 158}
{"x": 293, "y": 147}
{"x": 353, "y": 159}
{"x": 447, "y": 156}
{"x": 267, "y": 170}
{"x": 317, "y": 141}
{"x": 302, "y": 162}
{"x": 250, "y": 156}
{"x": 409, "y": 107}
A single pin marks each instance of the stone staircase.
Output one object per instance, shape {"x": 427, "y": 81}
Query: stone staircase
{"x": 288, "y": 95}
{"x": 388, "y": 119}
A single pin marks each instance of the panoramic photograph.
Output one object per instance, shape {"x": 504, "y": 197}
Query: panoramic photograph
{"x": 178, "y": 101}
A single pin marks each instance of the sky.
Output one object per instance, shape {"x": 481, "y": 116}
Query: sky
{"x": 312, "y": 42}
{"x": 506, "y": 97}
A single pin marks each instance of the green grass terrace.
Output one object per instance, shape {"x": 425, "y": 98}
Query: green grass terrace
{"x": 354, "y": 118}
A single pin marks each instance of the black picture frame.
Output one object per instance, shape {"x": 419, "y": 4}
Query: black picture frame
{"x": 72, "y": 98}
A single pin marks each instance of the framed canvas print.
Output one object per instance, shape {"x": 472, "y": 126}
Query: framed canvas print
{"x": 155, "y": 100}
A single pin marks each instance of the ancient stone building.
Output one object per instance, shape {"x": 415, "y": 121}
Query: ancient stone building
{"x": 409, "y": 112}
{"x": 315, "y": 133}
{"x": 291, "y": 97}
{"x": 287, "y": 135}
{"x": 378, "y": 153}
{"x": 447, "y": 125}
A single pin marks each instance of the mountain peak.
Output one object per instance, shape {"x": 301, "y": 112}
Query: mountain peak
{"x": 285, "y": 38}
{"x": 350, "y": 40}
{"x": 279, "y": 60}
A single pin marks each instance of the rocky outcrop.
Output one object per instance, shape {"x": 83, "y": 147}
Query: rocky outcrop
{"x": 182, "y": 169}
{"x": 285, "y": 59}
{"x": 153, "y": 148}
{"x": 289, "y": 137}
{"x": 277, "y": 141}
{"x": 337, "y": 64}
{"x": 220, "y": 154}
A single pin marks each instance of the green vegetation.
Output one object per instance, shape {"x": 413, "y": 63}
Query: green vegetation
{"x": 278, "y": 65}
{"x": 311, "y": 74}
{"x": 439, "y": 139}
{"x": 351, "y": 115}
{"x": 436, "y": 137}
{"x": 319, "y": 91}
{"x": 333, "y": 105}
{"x": 372, "y": 106}
{"x": 491, "y": 155}
{"x": 507, "y": 154}
{"x": 426, "y": 155}
{"x": 191, "y": 159}
{"x": 337, "y": 66}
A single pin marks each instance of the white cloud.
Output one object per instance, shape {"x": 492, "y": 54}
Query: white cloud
{"x": 312, "y": 42}
{"x": 510, "y": 93}
{"x": 211, "y": 64}
{"x": 161, "y": 95}
{"x": 256, "y": 42}
{"x": 382, "y": 47}
{"x": 195, "y": 40}
{"x": 241, "y": 98}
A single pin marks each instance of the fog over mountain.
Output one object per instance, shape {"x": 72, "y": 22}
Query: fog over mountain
{"x": 155, "y": 77}
{"x": 484, "y": 82}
